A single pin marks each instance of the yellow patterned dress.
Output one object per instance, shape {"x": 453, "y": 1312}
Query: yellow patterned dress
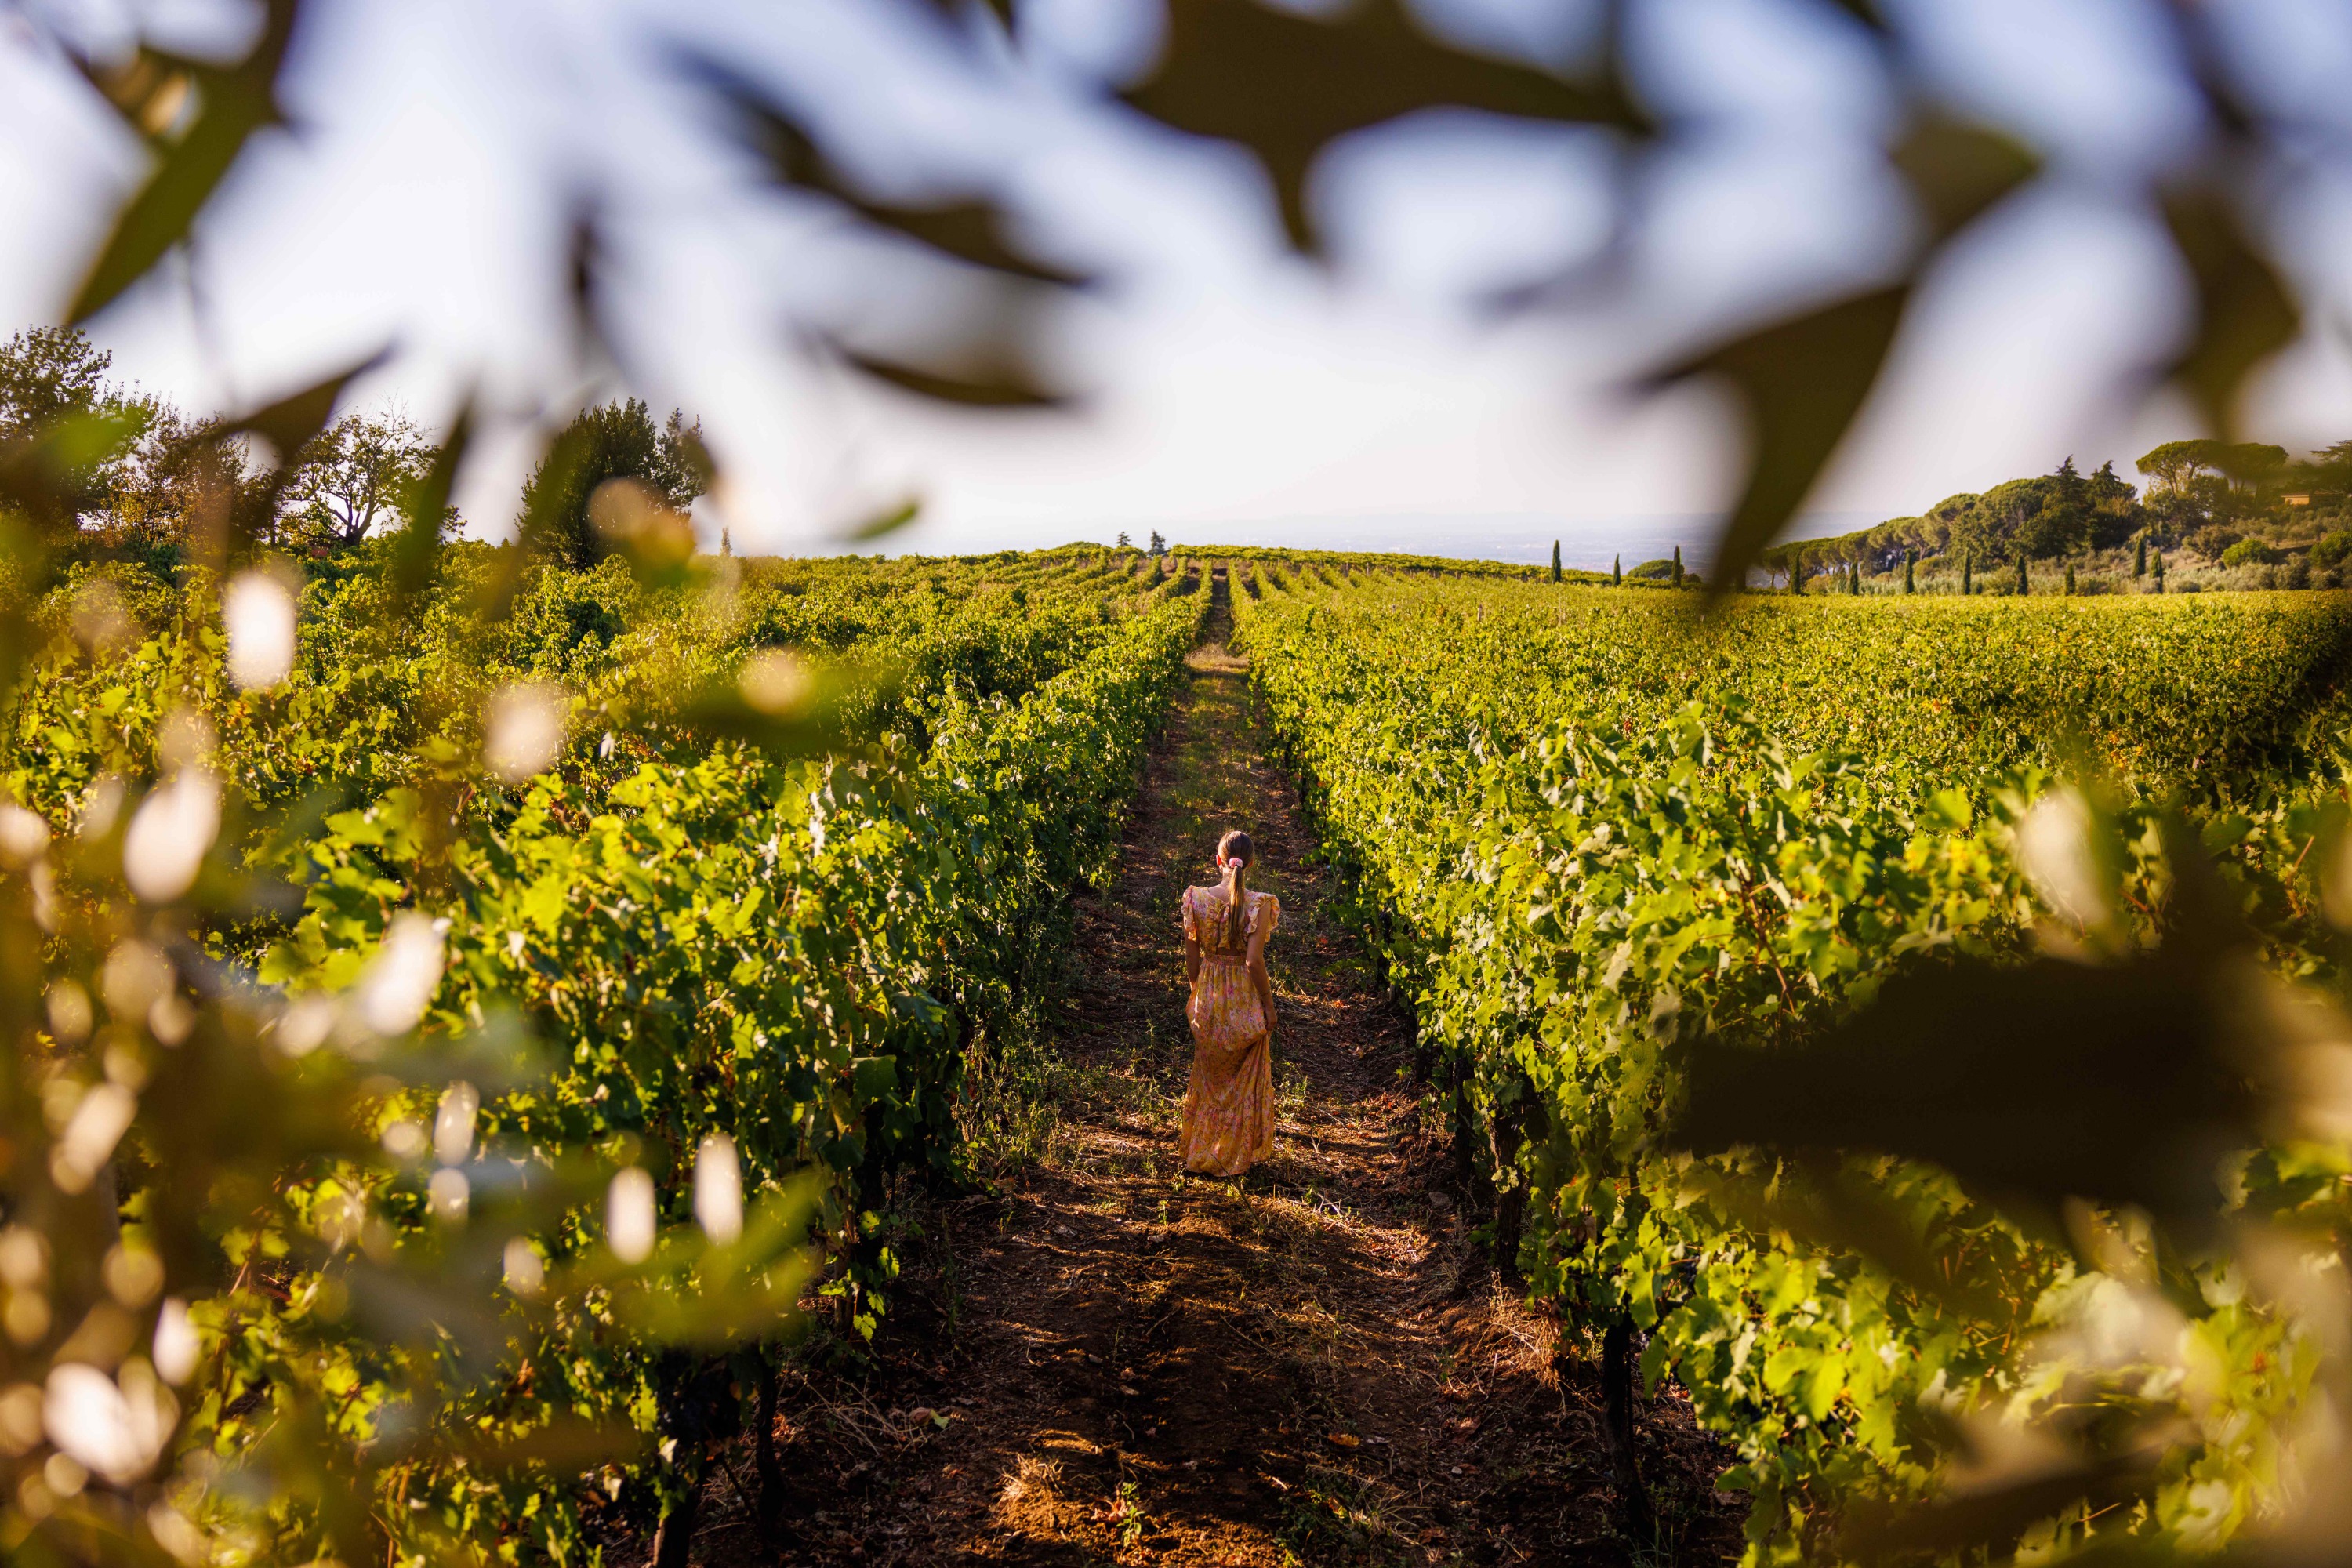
{"x": 1229, "y": 1107}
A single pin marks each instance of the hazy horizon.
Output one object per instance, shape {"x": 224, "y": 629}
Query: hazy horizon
{"x": 1586, "y": 543}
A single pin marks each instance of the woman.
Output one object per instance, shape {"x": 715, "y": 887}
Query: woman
{"x": 1229, "y": 1109}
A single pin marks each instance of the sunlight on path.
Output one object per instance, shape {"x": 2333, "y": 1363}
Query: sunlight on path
{"x": 1312, "y": 1364}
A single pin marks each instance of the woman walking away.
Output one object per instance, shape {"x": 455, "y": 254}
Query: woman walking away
{"x": 1229, "y": 1109}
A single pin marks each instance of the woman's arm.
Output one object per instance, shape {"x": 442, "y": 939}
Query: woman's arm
{"x": 1261, "y": 979}
{"x": 1191, "y": 963}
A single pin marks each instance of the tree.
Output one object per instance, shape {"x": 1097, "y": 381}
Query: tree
{"x": 53, "y": 393}
{"x": 1555, "y": 560}
{"x": 2139, "y": 558}
{"x": 1679, "y": 565}
{"x": 2115, "y": 509}
{"x": 2156, "y": 567}
{"x": 2172, "y": 465}
{"x": 2069, "y": 579}
{"x": 1617, "y": 572}
{"x": 2055, "y": 516}
{"x": 1968, "y": 572}
{"x": 1910, "y": 571}
{"x": 2024, "y": 584}
{"x": 1158, "y": 546}
{"x": 355, "y": 474}
{"x": 2199, "y": 481}
{"x": 179, "y": 481}
{"x": 617, "y": 441}
{"x": 2331, "y": 467}
{"x": 46, "y": 374}
{"x": 1124, "y": 542}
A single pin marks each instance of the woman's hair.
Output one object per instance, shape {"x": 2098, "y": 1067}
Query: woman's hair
{"x": 1236, "y": 845}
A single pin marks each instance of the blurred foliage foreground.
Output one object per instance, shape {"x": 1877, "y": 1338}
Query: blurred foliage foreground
{"x": 463, "y": 1009}
{"x": 1975, "y": 1148}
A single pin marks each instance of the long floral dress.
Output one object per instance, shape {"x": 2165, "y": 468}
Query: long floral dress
{"x": 1229, "y": 1107}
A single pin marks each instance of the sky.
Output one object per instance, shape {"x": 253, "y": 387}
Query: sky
{"x": 1234, "y": 392}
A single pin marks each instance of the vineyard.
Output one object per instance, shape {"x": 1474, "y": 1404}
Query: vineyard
{"x": 474, "y": 961}
{"x": 481, "y": 1041}
{"x": 1588, "y": 842}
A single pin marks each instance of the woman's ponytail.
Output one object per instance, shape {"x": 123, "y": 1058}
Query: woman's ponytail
{"x": 1235, "y": 847}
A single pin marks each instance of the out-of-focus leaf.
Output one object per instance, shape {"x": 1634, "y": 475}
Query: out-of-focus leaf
{"x": 970, "y": 230}
{"x": 292, "y": 422}
{"x": 2033, "y": 1083}
{"x": 1284, "y": 85}
{"x": 236, "y": 101}
{"x": 883, "y": 524}
{"x": 1825, "y": 1203}
{"x": 1958, "y": 170}
{"x": 2244, "y": 313}
{"x": 42, "y": 476}
{"x": 418, "y": 540}
{"x": 792, "y": 710}
{"x": 1802, "y": 381}
{"x": 149, "y": 90}
{"x": 566, "y": 1446}
{"x": 953, "y": 10}
{"x": 540, "y": 524}
{"x": 1994, "y": 1518}
{"x": 1000, "y": 379}
{"x": 583, "y": 254}
{"x": 632, "y": 522}
{"x": 1865, "y": 12}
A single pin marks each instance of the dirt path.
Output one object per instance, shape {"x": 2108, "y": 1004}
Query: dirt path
{"x": 1109, "y": 1362}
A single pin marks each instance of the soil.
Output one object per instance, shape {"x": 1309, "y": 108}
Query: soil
{"x": 1104, "y": 1360}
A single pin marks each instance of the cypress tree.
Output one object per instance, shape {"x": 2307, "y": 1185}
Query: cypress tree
{"x": 2024, "y": 585}
{"x": 1853, "y": 578}
{"x": 1968, "y": 572}
{"x": 2069, "y": 579}
{"x": 2157, "y": 567}
{"x": 1910, "y": 571}
{"x": 1555, "y": 560}
{"x": 1617, "y": 572}
{"x": 1679, "y": 565}
{"x": 1796, "y": 573}
{"x": 2139, "y": 558}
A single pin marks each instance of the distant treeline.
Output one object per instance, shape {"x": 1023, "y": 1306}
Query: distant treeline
{"x": 2206, "y": 496}
{"x": 128, "y": 475}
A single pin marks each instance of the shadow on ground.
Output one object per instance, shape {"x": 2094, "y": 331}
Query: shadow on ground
{"x": 1109, "y": 1362}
